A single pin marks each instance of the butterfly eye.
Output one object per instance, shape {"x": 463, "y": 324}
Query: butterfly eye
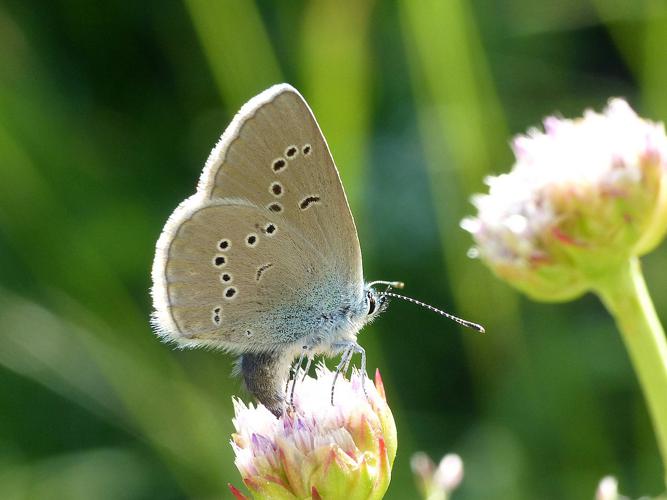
{"x": 371, "y": 303}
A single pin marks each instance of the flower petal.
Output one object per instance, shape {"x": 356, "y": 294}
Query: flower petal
{"x": 344, "y": 451}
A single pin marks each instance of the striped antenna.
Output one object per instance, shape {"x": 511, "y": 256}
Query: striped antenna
{"x": 462, "y": 322}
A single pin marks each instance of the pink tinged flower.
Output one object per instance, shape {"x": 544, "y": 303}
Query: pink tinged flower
{"x": 423, "y": 469}
{"x": 437, "y": 482}
{"x": 318, "y": 450}
{"x": 582, "y": 196}
{"x": 449, "y": 473}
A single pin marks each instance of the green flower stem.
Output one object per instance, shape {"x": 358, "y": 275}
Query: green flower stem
{"x": 625, "y": 295}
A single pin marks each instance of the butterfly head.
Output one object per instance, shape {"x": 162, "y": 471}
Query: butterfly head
{"x": 376, "y": 301}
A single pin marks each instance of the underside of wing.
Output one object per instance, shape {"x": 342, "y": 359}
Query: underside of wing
{"x": 274, "y": 155}
{"x": 267, "y": 249}
{"x": 230, "y": 274}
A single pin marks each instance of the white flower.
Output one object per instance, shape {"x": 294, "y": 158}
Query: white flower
{"x": 318, "y": 449}
{"x": 607, "y": 489}
{"x": 449, "y": 473}
{"x": 582, "y": 196}
{"x": 437, "y": 482}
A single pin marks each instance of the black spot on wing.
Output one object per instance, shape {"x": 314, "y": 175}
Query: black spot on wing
{"x": 308, "y": 201}
{"x": 261, "y": 270}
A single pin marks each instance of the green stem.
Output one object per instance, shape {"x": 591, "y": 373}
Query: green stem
{"x": 436, "y": 494}
{"x": 625, "y": 295}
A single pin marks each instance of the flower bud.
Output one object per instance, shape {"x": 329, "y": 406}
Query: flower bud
{"x": 449, "y": 473}
{"x": 583, "y": 197}
{"x": 423, "y": 469}
{"x": 607, "y": 489}
{"x": 316, "y": 449}
{"x": 437, "y": 482}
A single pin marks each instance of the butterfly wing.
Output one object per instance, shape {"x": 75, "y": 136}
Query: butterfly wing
{"x": 267, "y": 238}
{"x": 275, "y": 156}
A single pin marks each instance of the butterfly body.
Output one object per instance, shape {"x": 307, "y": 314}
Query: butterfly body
{"x": 264, "y": 260}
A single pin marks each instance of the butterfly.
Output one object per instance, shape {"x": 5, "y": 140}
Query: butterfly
{"x": 264, "y": 261}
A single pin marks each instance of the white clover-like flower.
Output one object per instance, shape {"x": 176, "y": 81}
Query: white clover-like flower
{"x": 582, "y": 196}
{"x": 317, "y": 450}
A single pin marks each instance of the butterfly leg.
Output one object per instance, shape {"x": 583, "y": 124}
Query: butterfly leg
{"x": 362, "y": 352}
{"x": 308, "y": 363}
{"x": 348, "y": 351}
{"x": 356, "y": 348}
{"x": 304, "y": 352}
{"x": 344, "y": 362}
{"x": 293, "y": 369}
{"x": 346, "y": 369}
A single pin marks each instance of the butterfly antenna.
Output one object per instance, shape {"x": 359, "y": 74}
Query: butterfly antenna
{"x": 390, "y": 284}
{"x": 462, "y": 322}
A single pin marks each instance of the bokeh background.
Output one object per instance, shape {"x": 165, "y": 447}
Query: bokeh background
{"x": 108, "y": 111}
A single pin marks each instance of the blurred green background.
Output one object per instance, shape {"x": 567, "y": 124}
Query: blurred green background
{"x": 108, "y": 111}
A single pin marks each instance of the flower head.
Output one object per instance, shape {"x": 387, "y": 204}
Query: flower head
{"x": 607, "y": 489}
{"x": 440, "y": 481}
{"x": 582, "y": 196}
{"x": 318, "y": 449}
